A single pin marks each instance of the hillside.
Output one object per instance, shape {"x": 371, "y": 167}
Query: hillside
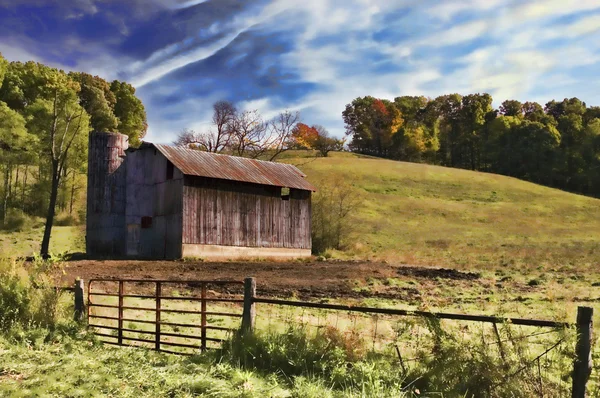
{"x": 423, "y": 214}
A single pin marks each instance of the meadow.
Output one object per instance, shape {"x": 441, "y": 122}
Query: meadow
{"x": 508, "y": 248}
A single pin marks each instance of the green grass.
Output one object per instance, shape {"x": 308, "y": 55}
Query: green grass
{"x": 431, "y": 215}
{"x": 27, "y": 242}
{"x": 84, "y": 369}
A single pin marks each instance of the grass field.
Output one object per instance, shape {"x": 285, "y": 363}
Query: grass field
{"x": 430, "y": 215}
{"x": 27, "y": 243}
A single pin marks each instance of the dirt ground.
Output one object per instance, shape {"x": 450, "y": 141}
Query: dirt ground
{"x": 331, "y": 279}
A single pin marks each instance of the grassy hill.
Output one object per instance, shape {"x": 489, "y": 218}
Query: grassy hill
{"x": 423, "y": 214}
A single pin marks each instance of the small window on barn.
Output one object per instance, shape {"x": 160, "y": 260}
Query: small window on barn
{"x": 170, "y": 170}
{"x": 146, "y": 222}
{"x": 285, "y": 194}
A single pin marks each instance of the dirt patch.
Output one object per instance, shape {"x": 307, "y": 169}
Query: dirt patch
{"x": 6, "y": 375}
{"x": 304, "y": 280}
{"x": 433, "y": 273}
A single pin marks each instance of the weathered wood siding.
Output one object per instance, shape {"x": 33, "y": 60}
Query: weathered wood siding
{"x": 221, "y": 212}
{"x": 150, "y": 194}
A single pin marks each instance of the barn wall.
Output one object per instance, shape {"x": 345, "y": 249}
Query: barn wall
{"x": 228, "y": 213}
{"x": 106, "y": 191}
{"x": 150, "y": 194}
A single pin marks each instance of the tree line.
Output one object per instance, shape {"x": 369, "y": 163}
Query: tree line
{"x": 46, "y": 115}
{"x": 557, "y": 145}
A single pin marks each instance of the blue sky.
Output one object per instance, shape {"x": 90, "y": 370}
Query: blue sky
{"x": 313, "y": 56}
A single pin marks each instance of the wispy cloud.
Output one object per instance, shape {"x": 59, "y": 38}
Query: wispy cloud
{"x": 312, "y": 55}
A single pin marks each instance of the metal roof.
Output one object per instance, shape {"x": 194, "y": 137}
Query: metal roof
{"x": 206, "y": 164}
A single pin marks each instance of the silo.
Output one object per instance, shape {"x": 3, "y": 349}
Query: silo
{"x": 106, "y": 231}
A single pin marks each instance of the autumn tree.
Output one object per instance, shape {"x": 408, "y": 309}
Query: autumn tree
{"x": 371, "y": 123}
{"x": 316, "y": 137}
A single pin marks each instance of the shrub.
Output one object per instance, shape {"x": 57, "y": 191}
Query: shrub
{"x": 66, "y": 220}
{"x": 27, "y": 297}
{"x": 333, "y": 207}
{"x": 16, "y": 220}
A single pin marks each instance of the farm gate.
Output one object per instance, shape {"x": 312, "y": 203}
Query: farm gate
{"x": 183, "y": 316}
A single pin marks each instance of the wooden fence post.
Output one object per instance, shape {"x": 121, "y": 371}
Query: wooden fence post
{"x": 583, "y": 351}
{"x": 249, "y": 310}
{"x": 79, "y": 302}
{"x": 120, "y": 318}
{"x": 158, "y": 317}
{"x": 203, "y": 320}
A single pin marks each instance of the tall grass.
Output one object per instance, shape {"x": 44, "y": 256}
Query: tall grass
{"x": 27, "y": 296}
{"x": 446, "y": 366}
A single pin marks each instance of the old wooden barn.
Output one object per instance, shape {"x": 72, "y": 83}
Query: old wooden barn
{"x": 159, "y": 201}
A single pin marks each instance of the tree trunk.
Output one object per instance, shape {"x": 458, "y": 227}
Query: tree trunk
{"x": 24, "y": 186}
{"x": 51, "y": 209}
{"x": 6, "y": 193}
{"x": 72, "y": 194}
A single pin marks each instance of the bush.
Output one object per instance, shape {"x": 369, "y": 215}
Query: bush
{"x": 16, "y": 220}
{"x": 333, "y": 207}
{"x": 27, "y": 297}
{"x": 66, "y": 220}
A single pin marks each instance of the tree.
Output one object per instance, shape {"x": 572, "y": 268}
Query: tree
{"x": 511, "y": 108}
{"x": 214, "y": 140}
{"x": 332, "y": 207}
{"x": 316, "y": 137}
{"x": 443, "y": 114}
{"x": 280, "y": 133}
{"x": 3, "y": 68}
{"x": 305, "y": 136}
{"x": 129, "y": 111}
{"x": 535, "y": 151}
{"x": 474, "y": 110}
{"x": 248, "y": 134}
{"x": 58, "y": 122}
{"x": 97, "y": 100}
{"x": 372, "y": 124}
{"x": 14, "y": 142}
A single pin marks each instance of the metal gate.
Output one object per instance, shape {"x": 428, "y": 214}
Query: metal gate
{"x": 164, "y": 313}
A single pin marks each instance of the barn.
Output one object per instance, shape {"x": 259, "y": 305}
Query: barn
{"x": 163, "y": 202}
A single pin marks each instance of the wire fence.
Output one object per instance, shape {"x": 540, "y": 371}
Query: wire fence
{"x": 540, "y": 360}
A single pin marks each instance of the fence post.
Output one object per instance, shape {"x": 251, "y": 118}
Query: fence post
{"x": 203, "y": 318}
{"x": 158, "y": 317}
{"x": 79, "y": 302}
{"x": 120, "y": 318}
{"x": 583, "y": 351}
{"x": 249, "y": 310}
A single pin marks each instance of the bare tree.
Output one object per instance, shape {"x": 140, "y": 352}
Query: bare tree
{"x": 280, "y": 135}
{"x": 243, "y": 133}
{"x": 214, "y": 140}
{"x": 248, "y": 135}
{"x": 325, "y": 143}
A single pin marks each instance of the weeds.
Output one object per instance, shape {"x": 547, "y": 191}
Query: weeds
{"x": 27, "y": 296}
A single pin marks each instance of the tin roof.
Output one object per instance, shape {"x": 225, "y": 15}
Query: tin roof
{"x": 206, "y": 164}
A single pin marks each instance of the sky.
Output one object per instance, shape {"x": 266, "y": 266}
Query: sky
{"x": 311, "y": 56}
